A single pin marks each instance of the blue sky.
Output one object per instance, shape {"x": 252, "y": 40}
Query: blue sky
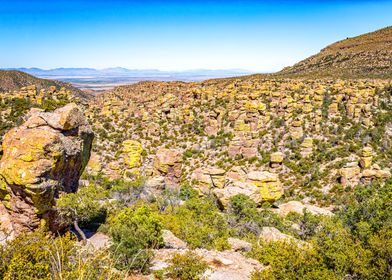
{"x": 178, "y": 35}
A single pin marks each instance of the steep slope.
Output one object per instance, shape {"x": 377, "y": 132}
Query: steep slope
{"x": 364, "y": 56}
{"x": 11, "y": 80}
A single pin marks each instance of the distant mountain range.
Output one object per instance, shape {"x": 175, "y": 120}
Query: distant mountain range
{"x": 124, "y": 72}
{"x": 11, "y": 80}
{"x": 105, "y": 79}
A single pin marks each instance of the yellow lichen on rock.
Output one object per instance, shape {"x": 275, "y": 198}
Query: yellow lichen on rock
{"x": 270, "y": 187}
{"x": 30, "y": 155}
{"x": 254, "y": 106}
{"x": 42, "y": 157}
{"x": 132, "y": 153}
{"x": 240, "y": 125}
{"x": 277, "y": 157}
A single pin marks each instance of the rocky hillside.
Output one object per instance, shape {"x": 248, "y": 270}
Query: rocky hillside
{"x": 252, "y": 175}
{"x": 11, "y": 80}
{"x": 365, "y": 56}
{"x": 269, "y": 139}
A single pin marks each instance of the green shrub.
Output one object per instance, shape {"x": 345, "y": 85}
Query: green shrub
{"x": 127, "y": 193}
{"x": 341, "y": 253}
{"x": 246, "y": 220}
{"x": 134, "y": 232}
{"x": 42, "y": 256}
{"x": 200, "y": 223}
{"x": 82, "y": 207}
{"x": 51, "y": 105}
{"x": 308, "y": 223}
{"x": 187, "y": 266}
{"x": 371, "y": 204}
{"x": 288, "y": 261}
{"x": 187, "y": 154}
{"x": 187, "y": 192}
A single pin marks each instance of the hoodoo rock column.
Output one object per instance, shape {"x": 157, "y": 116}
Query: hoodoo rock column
{"x": 41, "y": 158}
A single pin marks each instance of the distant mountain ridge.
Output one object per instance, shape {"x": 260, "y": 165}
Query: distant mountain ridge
{"x": 90, "y": 79}
{"x": 365, "y": 56}
{"x": 124, "y": 72}
{"x": 11, "y": 80}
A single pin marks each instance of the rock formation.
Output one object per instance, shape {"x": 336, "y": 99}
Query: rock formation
{"x": 271, "y": 234}
{"x": 276, "y": 159}
{"x": 366, "y": 157}
{"x": 132, "y": 155}
{"x": 307, "y": 147}
{"x": 299, "y": 208}
{"x": 168, "y": 162}
{"x": 271, "y": 188}
{"x": 260, "y": 186}
{"x": 44, "y": 156}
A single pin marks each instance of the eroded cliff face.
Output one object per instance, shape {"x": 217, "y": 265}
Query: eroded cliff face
{"x": 41, "y": 158}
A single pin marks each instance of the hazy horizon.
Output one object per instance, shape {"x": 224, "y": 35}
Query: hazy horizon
{"x": 105, "y": 79}
{"x": 132, "y": 69}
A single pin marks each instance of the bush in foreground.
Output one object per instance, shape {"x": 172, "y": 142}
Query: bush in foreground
{"x": 42, "y": 256}
{"x": 135, "y": 231}
{"x": 187, "y": 266}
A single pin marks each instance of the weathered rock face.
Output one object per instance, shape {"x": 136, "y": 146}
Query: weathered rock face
{"x": 366, "y": 157}
{"x": 271, "y": 234}
{"x": 244, "y": 148}
{"x": 168, "y": 163}
{"x": 260, "y": 186}
{"x": 209, "y": 177}
{"x": 132, "y": 150}
{"x": 132, "y": 155}
{"x": 239, "y": 245}
{"x": 42, "y": 157}
{"x": 307, "y": 147}
{"x": 94, "y": 166}
{"x": 276, "y": 159}
{"x": 271, "y": 188}
{"x": 235, "y": 187}
{"x": 298, "y": 207}
{"x": 349, "y": 174}
{"x": 221, "y": 265}
{"x": 171, "y": 241}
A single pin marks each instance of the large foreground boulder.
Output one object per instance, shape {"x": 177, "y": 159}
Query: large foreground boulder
{"x": 44, "y": 156}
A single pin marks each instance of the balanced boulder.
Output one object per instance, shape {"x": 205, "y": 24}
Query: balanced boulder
{"x": 276, "y": 159}
{"x": 44, "y": 156}
{"x": 270, "y": 187}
